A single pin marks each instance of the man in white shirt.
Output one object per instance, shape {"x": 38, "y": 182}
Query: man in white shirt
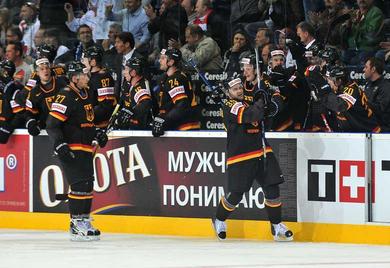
{"x": 29, "y": 24}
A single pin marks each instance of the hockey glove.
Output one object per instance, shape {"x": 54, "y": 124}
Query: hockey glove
{"x": 5, "y": 133}
{"x": 272, "y": 108}
{"x": 101, "y": 138}
{"x": 124, "y": 117}
{"x": 33, "y": 127}
{"x": 64, "y": 153}
{"x": 278, "y": 79}
{"x": 158, "y": 127}
{"x": 316, "y": 81}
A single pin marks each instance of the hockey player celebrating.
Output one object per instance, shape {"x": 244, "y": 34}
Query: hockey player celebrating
{"x": 178, "y": 107}
{"x": 8, "y": 107}
{"x": 246, "y": 162}
{"x": 70, "y": 126}
{"x": 136, "y": 112}
{"x": 344, "y": 98}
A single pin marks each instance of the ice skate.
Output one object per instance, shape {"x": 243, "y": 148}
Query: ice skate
{"x": 81, "y": 229}
{"x": 219, "y": 228}
{"x": 281, "y": 233}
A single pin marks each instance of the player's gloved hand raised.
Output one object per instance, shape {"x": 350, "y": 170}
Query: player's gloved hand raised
{"x": 101, "y": 138}
{"x": 33, "y": 127}
{"x": 316, "y": 81}
{"x": 63, "y": 152}
{"x": 272, "y": 108}
{"x": 158, "y": 126}
{"x": 5, "y": 133}
{"x": 124, "y": 117}
{"x": 279, "y": 78}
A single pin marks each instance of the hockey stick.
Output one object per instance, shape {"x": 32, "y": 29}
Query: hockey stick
{"x": 212, "y": 88}
{"x": 265, "y": 102}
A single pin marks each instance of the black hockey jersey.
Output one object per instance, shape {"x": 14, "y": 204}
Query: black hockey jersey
{"x": 138, "y": 99}
{"x": 352, "y": 111}
{"x": 178, "y": 104}
{"x": 101, "y": 87}
{"x": 244, "y": 138}
{"x": 8, "y": 106}
{"x": 71, "y": 119}
{"x": 40, "y": 98}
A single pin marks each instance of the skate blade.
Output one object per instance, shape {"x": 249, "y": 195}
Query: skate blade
{"x": 81, "y": 238}
{"x": 283, "y": 239}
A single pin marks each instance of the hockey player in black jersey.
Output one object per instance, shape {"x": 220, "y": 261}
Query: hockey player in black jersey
{"x": 136, "y": 108}
{"x": 178, "y": 106}
{"x": 101, "y": 85}
{"x": 71, "y": 128}
{"x": 245, "y": 161}
{"x": 9, "y": 120}
{"x": 41, "y": 96}
{"x": 345, "y": 99}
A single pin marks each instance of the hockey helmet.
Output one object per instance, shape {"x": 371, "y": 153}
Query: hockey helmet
{"x": 7, "y": 69}
{"x": 136, "y": 63}
{"x": 172, "y": 54}
{"x": 251, "y": 60}
{"x": 94, "y": 52}
{"x": 76, "y": 67}
{"x": 336, "y": 72}
{"x": 329, "y": 54}
{"x": 232, "y": 81}
{"x": 46, "y": 51}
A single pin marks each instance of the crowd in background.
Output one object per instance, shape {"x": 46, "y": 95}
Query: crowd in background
{"x": 216, "y": 34}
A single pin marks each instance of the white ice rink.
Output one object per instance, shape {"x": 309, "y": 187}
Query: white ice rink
{"x": 26, "y": 249}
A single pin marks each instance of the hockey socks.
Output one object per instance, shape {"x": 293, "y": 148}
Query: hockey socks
{"x": 274, "y": 210}
{"x": 227, "y": 205}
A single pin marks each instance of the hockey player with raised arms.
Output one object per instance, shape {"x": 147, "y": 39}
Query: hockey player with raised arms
{"x": 245, "y": 161}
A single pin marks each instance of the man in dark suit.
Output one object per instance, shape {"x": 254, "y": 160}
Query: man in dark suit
{"x": 124, "y": 45}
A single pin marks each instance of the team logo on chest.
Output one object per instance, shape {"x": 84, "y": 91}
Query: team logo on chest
{"x": 49, "y": 101}
{"x": 89, "y": 112}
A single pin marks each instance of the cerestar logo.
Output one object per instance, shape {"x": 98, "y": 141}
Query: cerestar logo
{"x": 322, "y": 181}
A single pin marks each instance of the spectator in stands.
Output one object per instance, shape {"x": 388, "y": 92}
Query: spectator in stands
{"x": 328, "y": 23}
{"x": 306, "y": 34}
{"x": 384, "y": 53}
{"x": 266, "y": 52}
{"x": 377, "y": 90}
{"x": 211, "y": 23}
{"x": 281, "y": 37}
{"x": 29, "y": 24}
{"x": 108, "y": 45}
{"x": 51, "y": 38}
{"x": 134, "y": 20}
{"x": 171, "y": 23}
{"x": 84, "y": 35}
{"x": 14, "y": 53}
{"x": 202, "y": 49}
{"x": 125, "y": 47}
{"x": 39, "y": 37}
{"x": 312, "y": 6}
{"x": 74, "y": 23}
{"x": 241, "y": 48}
{"x": 13, "y": 34}
{"x": 4, "y": 25}
{"x": 189, "y": 6}
{"x": 363, "y": 33}
{"x": 263, "y": 36}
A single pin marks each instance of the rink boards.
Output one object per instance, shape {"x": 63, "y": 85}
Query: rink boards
{"x": 336, "y": 186}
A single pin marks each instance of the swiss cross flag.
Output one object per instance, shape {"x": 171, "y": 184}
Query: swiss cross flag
{"x": 353, "y": 183}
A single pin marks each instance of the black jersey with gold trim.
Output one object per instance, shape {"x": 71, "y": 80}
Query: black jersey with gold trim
{"x": 178, "y": 104}
{"x": 40, "y": 98}
{"x": 352, "y": 111}
{"x": 241, "y": 120}
{"x": 71, "y": 119}
{"x": 138, "y": 99}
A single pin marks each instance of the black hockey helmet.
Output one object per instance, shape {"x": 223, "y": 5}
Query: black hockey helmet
{"x": 94, "y": 52}
{"x": 137, "y": 64}
{"x": 74, "y": 68}
{"x": 172, "y": 54}
{"x": 329, "y": 54}
{"x": 336, "y": 72}
{"x": 7, "y": 69}
{"x": 46, "y": 51}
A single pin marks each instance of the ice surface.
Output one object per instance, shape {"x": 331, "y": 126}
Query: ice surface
{"x": 25, "y": 249}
